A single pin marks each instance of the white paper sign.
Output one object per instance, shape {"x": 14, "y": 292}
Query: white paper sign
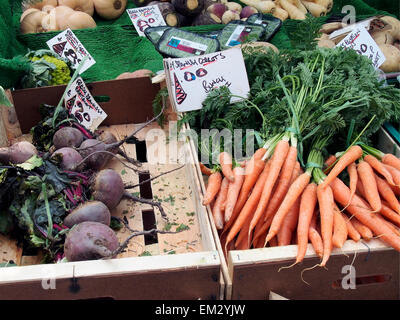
{"x": 80, "y": 103}
{"x": 191, "y": 79}
{"x": 361, "y": 41}
{"x": 145, "y": 17}
{"x": 68, "y": 46}
{"x": 362, "y": 24}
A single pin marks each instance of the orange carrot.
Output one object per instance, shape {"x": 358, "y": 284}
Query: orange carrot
{"x": 261, "y": 232}
{"x": 315, "y": 237}
{"x": 326, "y": 203}
{"x": 233, "y": 192}
{"x": 242, "y": 242}
{"x": 250, "y": 205}
{"x": 328, "y": 163}
{"x": 216, "y": 211}
{"x": 259, "y": 154}
{"x": 273, "y": 242}
{"x": 379, "y": 167}
{"x": 289, "y": 224}
{"x": 364, "y": 215}
{"x": 351, "y": 155}
{"x": 205, "y": 170}
{"x": 391, "y": 160}
{"x": 340, "y": 232}
{"x": 307, "y": 206}
{"x": 364, "y": 231}
{"x": 390, "y": 225}
{"x": 253, "y": 170}
{"x": 389, "y": 214}
{"x": 283, "y": 182}
{"x": 352, "y": 232}
{"x": 387, "y": 193}
{"x": 395, "y": 174}
{"x": 367, "y": 177}
{"x": 225, "y": 161}
{"x": 214, "y": 185}
{"x": 352, "y": 171}
{"x": 278, "y": 158}
{"x": 294, "y": 192}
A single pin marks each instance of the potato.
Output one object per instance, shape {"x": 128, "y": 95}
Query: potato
{"x": 392, "y": 55}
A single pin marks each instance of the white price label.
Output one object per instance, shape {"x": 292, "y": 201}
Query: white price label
{"x": 81, "y": 104}
{"x": 190, "y": 80}
{"x": 145, "y": 17}
{"x": 68, "y": 46}
{"x": 361, "y": 41}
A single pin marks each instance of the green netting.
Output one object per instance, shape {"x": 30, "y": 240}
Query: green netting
{"x": 117, "y": 48}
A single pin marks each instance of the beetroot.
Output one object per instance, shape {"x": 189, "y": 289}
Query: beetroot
{"x": 98, "y": 160}
{"x": 90, "y": 241}
{"x": 18, "y": 153}
{"x": 69, "y": 158}
{"x": 67, "y": 137}
{"x": 107, "y": 137}
{"x": 89, "y": 211}
{"x": 108, "y": 188}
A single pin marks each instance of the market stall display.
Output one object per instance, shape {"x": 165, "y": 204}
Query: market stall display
{"x": 316, "y": 188}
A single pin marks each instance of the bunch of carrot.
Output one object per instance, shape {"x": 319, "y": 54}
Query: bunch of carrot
{"x": 273, "y": 201}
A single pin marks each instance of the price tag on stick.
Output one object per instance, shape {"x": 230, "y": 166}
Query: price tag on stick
{"x": 361, "y": 41}
{"x": 145, "y": 17}
{"x": 190, "y": 80}
{"x": 80, "y": 103}
{"x": 68, "y": 46}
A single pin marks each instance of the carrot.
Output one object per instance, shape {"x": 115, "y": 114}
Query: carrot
{"x": 326, "y": 203}
{"x": 289, "y": 224}
{"x": 353, "y": 175}
{"x": 278, "y": 158}
{"x": 273, "y": 242}
{"x": 387, "y": 193}
{"x": 261, "y": 232}
{"x": 351, "y": 155}
{"x": 214, "y": 185}
{"x": 391, "y": 160}
{"x": 205, "y": 170}
{"x": 364, "y": 231}
{"x": 294, "y": 192}
{"x": 389, "y": 214}
{"x": 379, "y": 167}
{"x": 283, "y": 182}
{"x": 340, "y": 232}
{"x": 360, "y": 189}
{"x": 395, "y": 189}
{"x": 307, "y": 206}
{"x": 233, "y": 192}
{"x": 367, "y": 177}
{"x": 242, "y": 242}
{"x": 259, "y": 154}
{"x": 329, "y": 162}
{"x": 250, "y": 205}
{"x": 225, "y": 161}
{"x": 390, "y": 225}
{"x": 357, "y": 208}
{"x": 315, "y": 237}
{"x": 395, "y": 174}
{"x": 216, "y": 211}
{"x": 253, "y": 170}
{"x": 352, "y": 232}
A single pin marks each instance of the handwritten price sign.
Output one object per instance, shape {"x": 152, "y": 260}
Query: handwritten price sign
{"x": 80, "y": 103}
{"x": 145, "y": 17}
{"x": 361, "y": 41}
{"x": 189, "y": 80}
{"x": 68, "y": 46}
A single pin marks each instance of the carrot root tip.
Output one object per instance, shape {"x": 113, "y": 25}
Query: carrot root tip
{"x": 288, "y": 267}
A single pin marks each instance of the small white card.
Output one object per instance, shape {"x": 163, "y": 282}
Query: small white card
{"x": 190, "y": 80}
{"x": 68, "y": 46}
{"x": 145, "y": 17}
{"x": 361, "y": 41}
{"x": 80, "y": 103}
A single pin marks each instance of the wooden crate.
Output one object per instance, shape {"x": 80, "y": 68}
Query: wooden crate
{"x": 253, "y": 274}
{"x": 185, "y": 265}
